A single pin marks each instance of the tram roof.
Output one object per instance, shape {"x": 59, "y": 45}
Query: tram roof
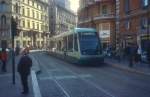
{"x": 84, "y": 30}
{"x": 76, "y": 30}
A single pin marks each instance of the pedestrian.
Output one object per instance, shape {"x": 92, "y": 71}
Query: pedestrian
{"x": 118, "y": 54}
{"x": 148, "y": 54}
{"x": 17, "y": 50}
{"x": 4, "y": 57}
{"x": 135, "y": 54}
{"x": 139, "y": 53}
{"x": 24, "y": 67}
{"x": 132, "y": 54}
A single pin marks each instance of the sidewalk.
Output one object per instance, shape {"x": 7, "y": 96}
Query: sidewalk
{"x": 7, "y": 89}
{"x": 140, "y": 68}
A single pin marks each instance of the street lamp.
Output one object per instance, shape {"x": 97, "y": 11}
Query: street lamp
{"x": 13, "y": 34}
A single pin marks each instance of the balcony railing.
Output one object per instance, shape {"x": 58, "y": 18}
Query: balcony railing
{"x": 99, "y": 17}
{"x": 135, "y": 12}
{"x": 89, "y": 3}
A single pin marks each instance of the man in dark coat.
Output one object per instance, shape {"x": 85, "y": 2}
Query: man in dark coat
{"x": 148, "y": 54}
{"x": 24, "y": 67}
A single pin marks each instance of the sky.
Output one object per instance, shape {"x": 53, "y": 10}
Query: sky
{"x": 74, "y": 5}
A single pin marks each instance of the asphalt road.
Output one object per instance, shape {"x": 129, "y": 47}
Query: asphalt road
{"x": 61, "y": 79}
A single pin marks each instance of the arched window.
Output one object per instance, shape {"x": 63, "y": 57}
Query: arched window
{"x": 3, "y": 20}
{"x": 17, "y": 8}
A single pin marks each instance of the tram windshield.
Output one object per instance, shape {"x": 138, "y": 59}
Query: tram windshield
{"x": 89, "y": 43}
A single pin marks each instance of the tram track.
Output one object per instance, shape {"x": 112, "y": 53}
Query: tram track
{"x": 85, "y": 80}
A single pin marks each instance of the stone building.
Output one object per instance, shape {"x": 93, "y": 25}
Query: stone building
{"x": 5, "y": 18}
{"x": 61, "y": 19}
{"x": 135, "y": 23}
{"x": 32, "y": 19}
{"x": 99, "y": 14}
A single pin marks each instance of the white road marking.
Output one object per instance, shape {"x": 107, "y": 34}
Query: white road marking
{"x": 90, "y": 82}
{"x": 66, "y": 77}
{"x": 5, "y": 75}
{"x": 36, "y": 89}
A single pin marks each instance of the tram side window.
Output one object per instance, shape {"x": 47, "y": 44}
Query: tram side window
{"x": 75, "y": 43}
{"x": 70, "y": 43}
{"x": 64, "y": 48}
{"x": 51, "y": 45}
{"x": 59, "y": 45}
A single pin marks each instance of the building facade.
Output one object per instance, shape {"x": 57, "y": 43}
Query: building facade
{"x": 5, "y": 18}
{"x": 63, "y": 3}
{"x": 61, "y": 19}
{"x": 99, "y": 14}
{"x": 135, "y": 23}
{"x": 32, "y": 19}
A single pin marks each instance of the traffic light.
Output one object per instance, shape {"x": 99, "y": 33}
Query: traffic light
{"x": 14, "y": 29}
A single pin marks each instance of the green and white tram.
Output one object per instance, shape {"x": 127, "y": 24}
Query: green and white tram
{"x": 82, "y": 46}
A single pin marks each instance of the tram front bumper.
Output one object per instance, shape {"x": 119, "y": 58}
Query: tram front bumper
{"x": 91, "y": 60}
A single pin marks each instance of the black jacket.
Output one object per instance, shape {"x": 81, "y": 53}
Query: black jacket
{"x": 24, "y": 65}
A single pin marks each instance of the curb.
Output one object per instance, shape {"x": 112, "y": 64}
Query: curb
{"x": 36, "y": 89}
{"x": 127, "y": 69}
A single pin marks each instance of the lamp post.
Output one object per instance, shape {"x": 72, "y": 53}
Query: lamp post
{"x": 13, "y": 34}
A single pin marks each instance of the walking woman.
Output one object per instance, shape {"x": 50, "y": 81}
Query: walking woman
{"x": 4, "y": 57}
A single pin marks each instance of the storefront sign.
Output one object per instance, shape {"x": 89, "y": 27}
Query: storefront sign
{"x": 104, "y": 34}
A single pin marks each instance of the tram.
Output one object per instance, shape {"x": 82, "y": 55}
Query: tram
{"x": 79, "y": 46}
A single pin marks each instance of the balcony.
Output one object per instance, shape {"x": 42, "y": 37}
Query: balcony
{"x": 104, "y": 0}
{"x": 97, "y": 18}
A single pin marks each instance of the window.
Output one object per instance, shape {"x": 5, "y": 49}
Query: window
{"x": 33, "y": 24}
{"x": 32, "y": 3}
{"x": 33, "y": 13}
{"x": 37, "y": 25}
{"x": 23, "y": 23}
{"x": 37, "y": 15}
{"x": 23, "y": 12}
{"x": 3, "y": 20}
{"x": 17, "y": 8}
{"x": 28, "y": 24}
{"x": 127, "y": 6}
{"x": 70, "y": 43}
{"x": 28, "y": 10}
{"x": 127, "y": 24}
{"x": 75, "y": 43}
{"x": 64, "y": 44}
{"x": 59, "y": 45}
{"x": 41, "y": 16}
{"x": 104, "y": 9}
{"x": 144, "y": 23}
{"x": 3, "y": 6}
{"x": 89, "y": 43}
{"x": 145, "y": 3}
{"x": 28, "y": 1}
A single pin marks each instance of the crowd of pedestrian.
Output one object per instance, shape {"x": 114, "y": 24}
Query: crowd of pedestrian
{"x": 132, "y": 53}
{"x": 23, "y": 67}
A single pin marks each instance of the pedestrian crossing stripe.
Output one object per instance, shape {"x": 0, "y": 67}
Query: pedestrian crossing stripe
{"x": 66, "y": 77}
